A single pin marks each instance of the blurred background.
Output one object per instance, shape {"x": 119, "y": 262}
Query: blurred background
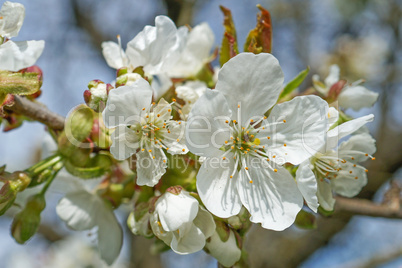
{"x": 362, "y": 36}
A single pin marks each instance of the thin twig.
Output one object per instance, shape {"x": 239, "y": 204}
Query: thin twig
{"x": 37, "y": 112}
{"x": 390, "y": 208}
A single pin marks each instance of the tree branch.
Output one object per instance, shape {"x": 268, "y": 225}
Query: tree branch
{"x": 390, "y": 208}
{"x": 365, "y": 207}
{"x": 36, "y": 111}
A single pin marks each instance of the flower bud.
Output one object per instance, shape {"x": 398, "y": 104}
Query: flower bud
{"x": 96, "y": 96}
{"x": 14, "y": 183}
{"x": 7, "y": 197}
{"x": 127, "y": 79}
{"x": 26, "y": 222}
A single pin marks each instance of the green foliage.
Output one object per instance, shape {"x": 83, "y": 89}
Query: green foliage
{"x": 260, "y": 38}
{"x": 18, "y": 83}
{"x": 229, "y": 42}
{"x": 295, "y": 83}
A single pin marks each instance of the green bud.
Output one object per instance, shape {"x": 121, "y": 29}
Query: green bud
{"x": 84, "y": 172}
{"x": 121, "y": 71}
{"x": 7, "y": 197}
{"x": 305, "y": 220}
{"x": 26, "y": 222}
{"x": 79, "y": 124}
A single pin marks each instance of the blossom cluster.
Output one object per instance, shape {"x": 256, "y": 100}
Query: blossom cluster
{"x": 265, "y": 148}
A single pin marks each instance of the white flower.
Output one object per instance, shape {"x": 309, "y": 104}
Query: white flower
{"x": 15, "y": 56}
{"x": 336, "y": 168}
{"x": 144, "y": 129}
{"x": 163, "y": 51}
{"x": 12, "y": 17}
{"x": 190, "y": 91}
{"x": 352, "y": 96}
{"x": 228, "y": 127}
{"x": 180, "y": 222}
{"x": 196, "y": 53}
{"x": 226, "y": 252}
{"x": 82, "y": 210}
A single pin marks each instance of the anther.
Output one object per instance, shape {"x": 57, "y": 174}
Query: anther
{"x": 284, "y": 121}
{"x": 275, "y": 170}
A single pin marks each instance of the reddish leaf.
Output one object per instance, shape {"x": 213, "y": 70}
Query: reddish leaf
{"x": 260, "y": 38}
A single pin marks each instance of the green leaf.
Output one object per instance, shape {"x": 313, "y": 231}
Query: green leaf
{"x": 18, "y": 83}
{"x": 229, "y": 42}
{"x": 260, "y": 38}
{"x": 305, "y": 220}
{"x": 295, "y": 83}
{"x": 84, "y": 172}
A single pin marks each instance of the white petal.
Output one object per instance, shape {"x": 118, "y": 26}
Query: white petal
{"x": 150, "y": 169}
{"x": 206, "y": 130}
{"x": 176, "y": 210}
{"x": 152, "y": 45}
{"x": 272, "y": 199}
{"x": 307, "y": 184}
{"x": 196, "y": 52}
{"x": 324, "y": 195}
{"x": 349, "y": 184}
{"x": 125, "y": 104}
{"x": 227, "y": 253}
{"x": 15, "y": 56}
{"x": 347, "y": 128}
{"x": 78, "y": 210}
{"x": 216, "y": 189}
{"x": 205, "y": 222}
{"x": 125, "y": 143}
{"x": 113, "y": 54}
{"x": 12, "y": 16}
{"x": 161, "y": 84}
{"x": 253, "y": 81}
{"x": 357, "y": 146}
{"x": 301, "y": 125}
{"x": 110, "y": 234}
{"x": 357, "y": 97}
{"x": 333, "y": 76}
{"x": 193, "y": 241}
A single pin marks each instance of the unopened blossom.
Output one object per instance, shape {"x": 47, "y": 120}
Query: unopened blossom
{"x": 143, "y": 128}
{"x": 244, "y": 150}
{"x": 15, "y": 56}
{"x": 352, "y": 96}
{"x": 336, "y": 168}
{"x": 163, "y": 51}
{"x": 190, "y": 92}
{"x": 180, "y": 222}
